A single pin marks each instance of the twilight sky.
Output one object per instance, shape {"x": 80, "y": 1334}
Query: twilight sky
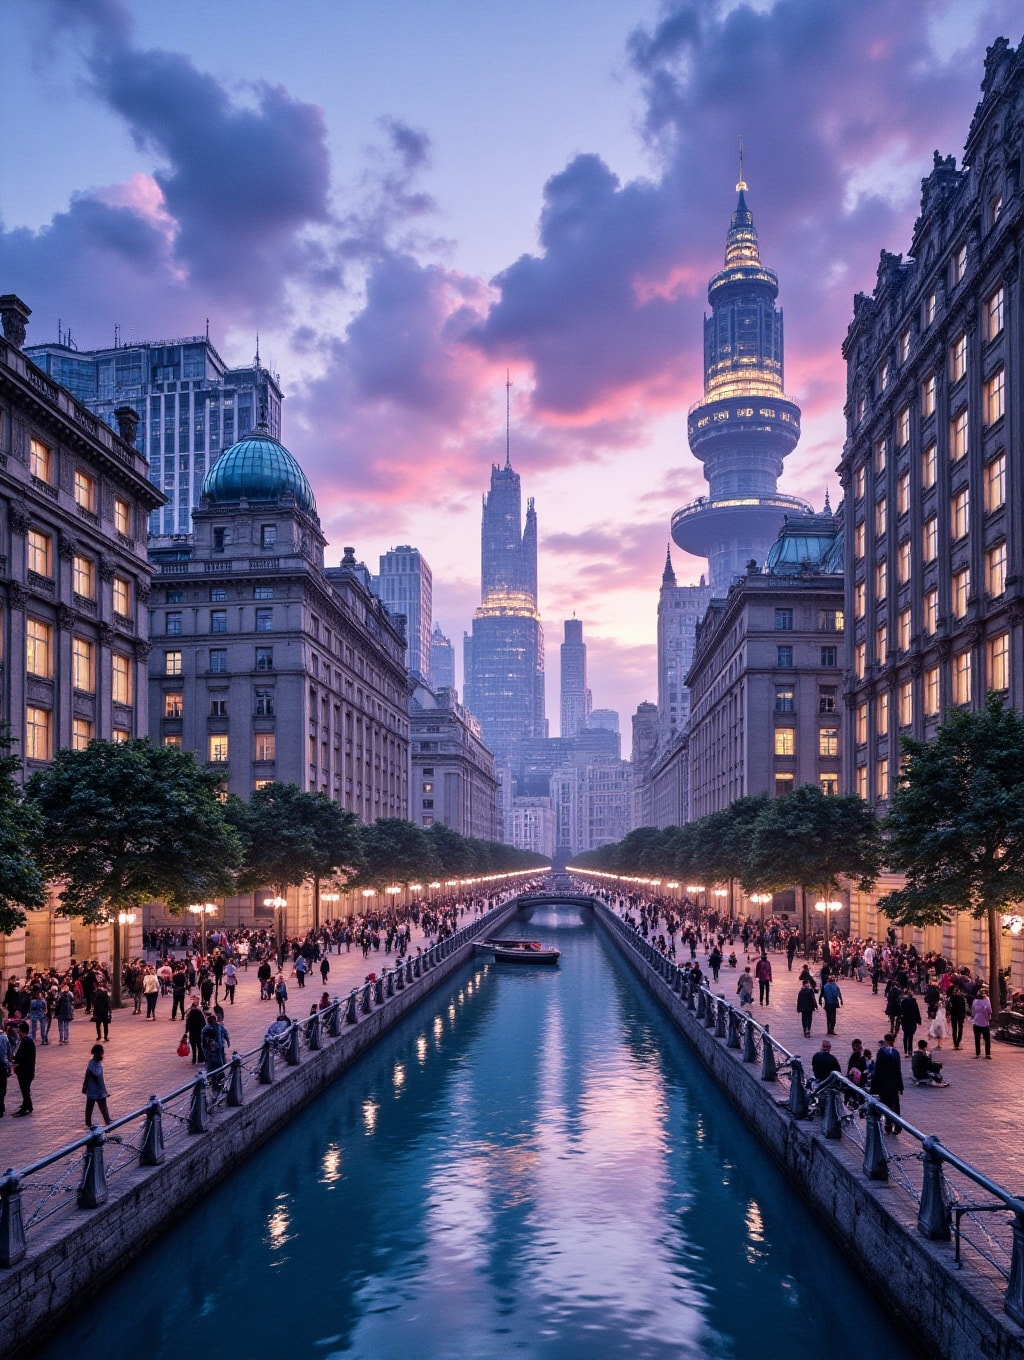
{"x": 405, "y": 200}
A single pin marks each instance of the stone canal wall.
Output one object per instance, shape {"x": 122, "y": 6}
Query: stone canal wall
{"x": 76, "y": 1252}
{"x": 948, "y": 1312}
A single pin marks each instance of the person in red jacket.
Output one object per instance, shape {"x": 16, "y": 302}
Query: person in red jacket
{"x": 763, "y": 973}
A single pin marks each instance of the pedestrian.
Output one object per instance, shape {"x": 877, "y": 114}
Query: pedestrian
{"x": 887, "y": 1079}
{"x": 956, "y": 1009}
{"x": 937, "y": 1026}
{"x": 281, "y": 994}
{"x": 94, "y": 1088}
{"x": 6, "y": 1060}
{"x": 64, "y": 1013}
{"x": 179, "y": 983}
{"x": 264, "y": 974}
{"x": 745, "y": 988}
{"x": 195, "y": 1022}
{"x": 150, "y": 990}
{"x": 25, "y": 1067}
{"x": 806, "y": 1005}
{"x": 831, "y": 1000}
{"x": 910, "y": 1020}
{"x": 325, "y": 969}
{"x": 763, "y": 973}
{"x": 981, "y": 1019}
{"x": 301, "y": 968}
{"x": 214, "y": 1040}
{"x": 230, "y": 981}
{"x": 37, "y": 1014}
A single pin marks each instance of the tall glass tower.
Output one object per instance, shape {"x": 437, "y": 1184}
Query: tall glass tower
{"x": 745, "y": 425}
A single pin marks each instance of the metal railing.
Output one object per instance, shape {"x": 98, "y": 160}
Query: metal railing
{"x": 80, "y": 1173}
{"x": 924, "y": 1174}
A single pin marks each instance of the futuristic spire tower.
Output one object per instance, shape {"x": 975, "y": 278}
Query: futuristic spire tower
{"x": 745, "y": 425}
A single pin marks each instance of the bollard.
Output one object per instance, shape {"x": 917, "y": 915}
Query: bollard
{"x": 399, "y": 977}
{"x": 266, "y": 1072}
{"x": 198, "y": 1112}
{"x": 933, "y": 1215}
{"x": 350, "y": 1015}
{"x": 798, "y": 1103}
{"x": 1014, "y": 1300}
{"x": 234, "y": 1096}
{"x": 408, "y": 972}
{"x": 12, "y": 1224}
{"x": 769, "y": 1070}
{"x": 292, "y": 1056}
{"x": 720, "y": 1020}
{"x": 749, "y": 1042}
{"x": 733, "y": 1040}
{"x": 92, "y": 1191}
{"x": 391, "y": 984}
{"x": 378, "y": 992}
{"x": 709, "y": 1013}
{"x": 313, "y": 1034}
{"x": 702, "y": 1004}
{"x": 416, "y": 968}
{"x": 364, "y": 1005}
{"x": 876, "y": 1164}
{"x": 152, "y": 1151}
{"x": 334, "y": 1019}
{"x": 690, "y": 999}
{"x": 832, "y": 1116}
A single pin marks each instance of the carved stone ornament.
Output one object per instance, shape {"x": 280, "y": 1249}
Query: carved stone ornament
{"x": 18, "y": 518}
{"x": 67, "y": 547}
{"x": 945, "y": 649}
{"x": 66, "y": 618}
{"x": 974, "y": 633}
{"x": 106, "y": 569}
{"x": 143, "y": 590}
{"x": 916, "y": 667}
{"x": 142, "y": 650}
{"x": 107, "y": 634}
{"x": 1015, "y": 613}
{"x": 17, "y": 595}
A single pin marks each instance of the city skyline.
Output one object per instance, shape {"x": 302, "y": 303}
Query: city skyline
{"x": 409, "y": 205}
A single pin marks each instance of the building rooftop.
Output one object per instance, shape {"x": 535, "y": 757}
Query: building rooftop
{"x": 258, "y": 468}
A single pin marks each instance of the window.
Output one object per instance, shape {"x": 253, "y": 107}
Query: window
{"x": 83, "y": 665}
{"x": 172, "y": 663}
{"x": 172, "y": 623}
{"x": 264, "y": 620}
{"x": 859, "y": 656}
{"x": 961, "y": 589}
{"x": 862, "y": 782}
{"x": 959, "y": 510}
{"x": 173, "y": 739}
{"x": 860, "y": 724}
{"x": 264, "y": 658}
{"x": 883, "y": 375}
{"x": 880, "y": 455}
{"x": 122, "y": 517}
{"x": 958, "y": 267}
{"x": 995, "y": 482}
{"x": 218, "y": 620}
{"x": 906, "y": 703}
{"x": 881, "y": 642}
{"x": 38, "y": 743}
{"x": 827, "y": 697}
{"x": 928, "y": 397}
{"x": 903, "y": 493}
{"x": 264, "y": 746}
{"x": 958, "y": 359}
{"x": 860, "y": 482}
{"x": 931, "y": 692}
{"x": 881, "y": 580}
{"x": 880, "y": 518}
{"x": 859, "y": 599}
{"x": 264, "y": 703}
{"x": 903, "y": 562}
{"x": 882, "y": 713}
{"x": 783, "y": 656}
{"x": 995, "y": 568}
{"x": 783, "y": 785}
{"x": 428, "y": 786}
{"x": 219, "y": 660}
{"x": 882, "y": 779}
{"x": 995, "y": 208}
{"x": 784, "y": 701}
{"x": 830, "y": 620}
{"x": 903, "y": 346}
{"x": 958, "y": 436}
{"x": 783, "y": 619}
{"x": 928, "y": 465}
{"x": 268, "y": 535}
{"x": 859, "y": 537}
{"x": 828, "y": 742}
{"x": 83, "y": 575}
{"x": 40, "y": 464}
{"x": 903, "y": 427}
{"x": 218, "y": 593}
{"x": 962, "y": 677}
{"x": 39, "y": 648}
{"x": 999, "y": 662}
{"x": 175, "y": 596}
{"x": 994, "y": 397}
{"x": 85, "y": 491}
{"x": 81, "y": 733}
{"x": 218, "y": 748}
{"x": 930, "y": 539}
{"x": 122, "y": 597}
{"x": 994, "y": 305}
{"x": 829, "y": 656}
{"x": 120, "y": 678}
{"x": 928, "y": 311}
{"x": 829, "y": 784}
{"x": 785, "y": 744}
{"x": 263, "y": 593}
{"x": 40, "y": 553}
{"x": 931, "y": 610}
{"x": 173, "y": 700}
{"x": 262, "y": 783}
{"x": 903, "y": 630}
{"x": 220, "y": 538}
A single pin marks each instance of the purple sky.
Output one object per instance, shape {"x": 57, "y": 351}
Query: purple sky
{"x": 405, "y": 201}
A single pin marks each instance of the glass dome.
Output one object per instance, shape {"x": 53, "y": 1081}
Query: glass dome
{"x": 805, "y": 541}
{"x": 258, "y": 468}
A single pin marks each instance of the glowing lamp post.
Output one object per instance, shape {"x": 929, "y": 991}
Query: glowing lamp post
{"x": 332, "y": 899}
{"x": 694, "y": 890}
{"x": 761, "y": 900}
{"x": 719, "y": 893}
{"x": 202, "y": 910}
{"x": 826, "y": 909}
{"x": 124, "y": 919}
{"x": 277, "y": 905}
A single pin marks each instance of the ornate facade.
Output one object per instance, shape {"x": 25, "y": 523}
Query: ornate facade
{"x": 453, "y": 779}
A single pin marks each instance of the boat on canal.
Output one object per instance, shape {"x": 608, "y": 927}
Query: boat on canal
{"x": 520, "y": 951}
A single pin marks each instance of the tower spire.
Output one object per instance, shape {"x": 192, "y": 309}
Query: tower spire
{"x": 668, "y": 576}
{"x": 741, "y": 183}
{"x": 508, "y": 420}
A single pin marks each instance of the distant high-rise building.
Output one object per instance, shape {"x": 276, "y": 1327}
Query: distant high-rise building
{"x": 442, "y": 660}
{"x": 575, "y": 695}
{"x": 604, "y": 720}
{"x": 405, "y": 586}
{"x": 680, "y": 609}
{"x": 191, "y": 407}
{"x": 746, "y": 424}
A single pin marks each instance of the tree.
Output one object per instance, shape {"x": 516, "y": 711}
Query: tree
{"x": 955, "y": 828}
{"x": 813, "y": 839}
{"x": 22, "y": 883}
{"x": 394, "y": 851}
{"x": 453, "y": 853}
{"x": 723, "y": 839}
{"x": 124, "y": 823}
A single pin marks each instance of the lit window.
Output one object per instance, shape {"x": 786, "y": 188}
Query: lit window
{"x": 218, "y": 620}
{"x": 173, "y": 700}
{"x": 219, "y": 660}
{"x": 995, "y": 568}
{"x": 39, "y": 648}
{"x": 959, "y": 513}
{"x": 931, "y": 692}
{"x": 783, "y": 784}
{"x": 783, "y": 618}
{"x": 995, "y": 482}
{"x": 83, "y": 574}
{"x": 881, "y": 643}
{"x": 862, "y": 782}
{"x": 119, "y": 736}
{"x": 906, "y": 703}
{"x": 931, "y": 610}
{"x": 264, "y": 746}
{"x": 860, "y": 724}
{"x": 122, "y": 595}
{"x": 960, "y": 592}
{"x": 83, "y": 665}
{"x": 262, "y": 783}
{"x": 218, "y": 748}
{"x": 883, "y": 375}
{"x": 265, "y": 621}
{"x": 784, "y": 701}
{"x": 930, "y": 539}
{"x": 882, "y": 713}
{"x": 830, "y": 620}
{"x": 928, "y": 397}
{"x": 40, "y": 553}
{"x": 122, "y": 517}
{"x": 994, "y": 400}
{"x": 81, "y": 733}
{"x": 962, "y": 677}
{"x": 880, "y": 455}
{"x": 904, "y": 346}
{"x": 882, "y": 779}
{"x": 903, "y": 493}
{"x": 859, "y": 659}
{"x": 827, "y": 698}
{"x": 40, "y": 464}
{"x": 903, "y": 630}
{"x": 928, "y": 311}
{"x": 783, "y": 656}
{"x": 958, "y": 359}
{"x": 120, "y": 678}
{"x": 880, "y": 518}
{"x": 828, "y": 741}
{"x": 928, "y": 465}
{"x": 38, "y": 729}
{"x": 995, "y": 208}
{"x": 903, "y": 562}
{"x": 172, "y": 663}
{"x": 959, "y": 265}
{"x": 860, "y": 482}
{"x": 829, "y": 784}
{"x": 903, "y": 427}
{"x": 785, "y": 744}
{"x": 173, "y": 739}
{"x": 881, "y": 580}
{"x": 862, "y": 406}
{"x": 858, "y": 540}
{"x": 859, "y": 598}
{"x": 994, "y": 306}
{"x": 85, "y": 491}
{"x": 958, "y": 436}
{"x": 999, "y": 662}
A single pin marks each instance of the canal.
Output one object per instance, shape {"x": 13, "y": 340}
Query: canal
{"x": 531, "y": 1164}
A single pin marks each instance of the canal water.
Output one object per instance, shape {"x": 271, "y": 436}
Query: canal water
{"x": 532, "y": 1164}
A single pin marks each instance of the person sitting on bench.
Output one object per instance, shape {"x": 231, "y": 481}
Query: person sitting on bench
{"x": 924, "y": 1070}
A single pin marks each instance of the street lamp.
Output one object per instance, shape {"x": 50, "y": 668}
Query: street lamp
{"x": 202, "y": 910}
{"x": 331, "y": 898}
{"x": 124, "y": 918}
{"x": 761, "y": 900}
{"x": 826, "y": 909}
{"x": 277, "y": 904}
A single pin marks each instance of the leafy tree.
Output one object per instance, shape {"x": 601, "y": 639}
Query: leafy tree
{"x": 124, "y": 823}
{"x": 723, "y": 839}
{"x": 955, "y": 829}
{"x": 453, "y": 853}
{"x": 394, "y": 850}
{"x": 22, "y": 883}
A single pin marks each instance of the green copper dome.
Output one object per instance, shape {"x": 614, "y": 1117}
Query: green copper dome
{"x": 258, "y": 468}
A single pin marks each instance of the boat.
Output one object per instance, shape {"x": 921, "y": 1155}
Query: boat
{"x": 520, "y": 951}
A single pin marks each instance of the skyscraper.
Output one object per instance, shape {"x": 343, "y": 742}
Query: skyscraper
{"x": 680, "y": 609}
{"x": 746, "y": 424}
{"x": 504, "y": 656}
{"x": 575, "y": 696}
{"x": 442, "y": 660}
{"x": 405, "y": 585}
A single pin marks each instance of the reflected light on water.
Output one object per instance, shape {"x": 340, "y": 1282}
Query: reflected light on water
{"x": 370, "y": 1111}
{"x": 451, "y": 1012}
{"x": 756, "y": 1246}
{"x": 398, "y": 1077}
{"x": 421, "y": 1048}
{"x": 278, "y": 1225}
{"x": 331, "y": 1165}
{"x": 438, "y": 1027}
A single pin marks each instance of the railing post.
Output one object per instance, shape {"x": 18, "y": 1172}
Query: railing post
{"x": 720, "y": 1019}
{"x": 798, "y": 1104}
{"x": 769, "y": 1068}
{"x": 235, "y": 1097}
{"x": 876, "y": 1164}
{"x": 334, "y": 1019}
{"x": 691, "y": 1000}
{"x": 198, "y": 1111}
{"x": 408, "y": 971}
{"x": 350, "y": 1015}
{"x": 1014, "y": 1301}
{"x": 292, "y": 1056}
{"x": 832, "y": 1116}
{"x": 313, "y": 1036}
{"x": 391, "y": 983}
{"x": 709, "y": 1013}
{"x": 12, "y": 1224}
{"x": 378, "y": 992}
{"x": 92, "y": 1190}
{"x": 416, "y": 966}
{"x": 364, "y": 1005}
{"x": 702, "y": 1004}
{"x": 399, "y": 977}
{"x": 933, "y": 1216}
{"x": 733, "y": 1040}
{"x": 152, "y": 1151}
{"x": 749, "y": 1041}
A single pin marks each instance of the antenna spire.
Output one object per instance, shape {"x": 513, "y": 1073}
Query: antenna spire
{"x": 508, "y": 420}
{"x": 741, "y": 183}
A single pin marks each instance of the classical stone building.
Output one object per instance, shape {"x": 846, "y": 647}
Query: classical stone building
{"x": 453, "y": 779}
{"x": 74, "y": 503}
{"x": 933, "y": 466}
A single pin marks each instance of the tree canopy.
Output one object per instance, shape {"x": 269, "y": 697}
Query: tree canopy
{"x": 22, "y": 883}
{"x": 289, "y": 836}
